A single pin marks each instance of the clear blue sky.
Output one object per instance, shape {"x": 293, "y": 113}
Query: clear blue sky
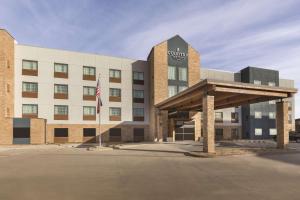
{"x": 228, "y": 34}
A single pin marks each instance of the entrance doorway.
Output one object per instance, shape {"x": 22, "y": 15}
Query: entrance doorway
{"x": 184, "y": 130}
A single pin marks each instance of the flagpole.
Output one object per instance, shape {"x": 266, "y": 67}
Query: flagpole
{"x": 100, "y": 141}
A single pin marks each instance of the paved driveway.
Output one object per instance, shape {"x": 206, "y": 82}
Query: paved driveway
{"x": 147, "y": 171}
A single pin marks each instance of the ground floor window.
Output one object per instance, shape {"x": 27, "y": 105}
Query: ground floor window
{"x": 219, "y": 133}
{"x": 89, "y": 132}
{"x": 138, "y": 134}
{"x": 115, "y": 135}
{"x": 258, "y": 131}
{"x": 61, "y": 135}
{"x": 234, "y": 133}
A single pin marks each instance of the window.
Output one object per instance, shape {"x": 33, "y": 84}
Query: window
{"x": 257, "y": 82}
{"x": 181, "y": 88}
{"x": 113, "y": 73}
{"x": 62, "y": 68}
{"x": 29, "y": 65}
{"x": 138, "y": 112}
{"x": 29, "y": 87}
{"x": 114, "y": 76}
{"x": 257, "y": 115}
{"x": 272, "y": 102}
{"x": 89, "y": 91}
{"x": 272, "y": 115}
{"x": 115, "y": 92}
{"x": 90, "y": 71}
{"x": 138, "y": 94}
{"x": 219, "y": 116}
{"x": 138, "y": 76}
{"x": 235, "y": 117}
{"x": 89, "y": 110}
{"x": 115, "y": 111}
{"x": 272, "y": 131}
{"x": 61, "y": 132}
{"x": 182, "y": 73}
{"x": 60, "y": 110}
{"x": 172, "y": 73}
{"x": 138, "y": 134}
{"x": 30, "y": 109}
{"x": 271, "y": 84}
{"x": 172, "y": 90}
{"x": 89, "y": 132}
{"x": 258, "y": 131}
{"x": 114, "y": 114}
{"x": 115, "y": 135}
{"x": 29, "y": 68}
{"x": 61, "y": 89}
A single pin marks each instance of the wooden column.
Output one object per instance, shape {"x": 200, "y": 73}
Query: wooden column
{"x": 282, "y": 124}
{"x": 208, "y": 124}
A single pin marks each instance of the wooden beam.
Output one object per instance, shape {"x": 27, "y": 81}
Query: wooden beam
{"x": 250, "y": 91}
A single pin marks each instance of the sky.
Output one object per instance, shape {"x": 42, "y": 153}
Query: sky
{"x": 228, "y": 34}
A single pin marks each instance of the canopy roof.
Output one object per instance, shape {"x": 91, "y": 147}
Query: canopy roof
{"x": 227, "y": 94}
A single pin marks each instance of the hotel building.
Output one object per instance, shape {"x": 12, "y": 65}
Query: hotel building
{"x": 49, "y": 96}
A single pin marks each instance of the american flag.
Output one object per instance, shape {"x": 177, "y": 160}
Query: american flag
{"x": 98, "y": 95}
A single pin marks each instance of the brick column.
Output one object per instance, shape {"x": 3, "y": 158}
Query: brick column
{"x": 282, "y": 124}
{"x": 208, "y": 124}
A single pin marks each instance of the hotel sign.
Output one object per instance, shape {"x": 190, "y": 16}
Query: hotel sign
{"x": 177, "y": 55}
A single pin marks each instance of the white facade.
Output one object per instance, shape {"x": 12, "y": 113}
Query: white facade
{"x": 45, "y": 79}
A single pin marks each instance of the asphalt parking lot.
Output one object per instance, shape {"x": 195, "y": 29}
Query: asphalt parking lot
{"x": 145, "y": 171}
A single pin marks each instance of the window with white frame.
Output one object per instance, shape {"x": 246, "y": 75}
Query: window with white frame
{"x": 59, "y": 67}
{"x": 90, "y": 71}
{"x": 115, "y": 92}
{"x": 114, "y": 73}
{"x": 172, "y": 90}
{"x": 258, "y": 131}
{"x": 138, "y": 112}
{"x": 114, "y": 111}
{"x": 30, "y": 109}
{"x": 172, "y": 73}
{"x": 61, "y": 110}
{"x": 138, "y": 76}
{"x": 271, "y": 84}
{"x": 29, "y": 64}
{"x": 182, "y": 73}
{"x": 89, "y": 91}
{"x": 272, "y": 115}
{"x": 272, "y": 131}
{"x": 60, "y": 89}
{"x": 138, "y": 94}
{"x": 257, "y": 82}
{"x": 89, "y": 110}
{"x": 29, "y": 87}
{"x": 257, "y": 115}
{"x": 218, "y": 116}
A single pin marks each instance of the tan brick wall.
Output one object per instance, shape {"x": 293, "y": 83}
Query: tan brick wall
{"x": 227, "y": 131}
{"x": 194, "y": 66}
{"x": 196, "y": 117}
{"x": 6, "y": 131}
{"x": 6, "y": 80}
{"x": 208, "y": 124}
{"x": 37, "y": 131}
{"x": 76, "y": 131}
{"x": 6, "y": 74}
{"x": 282, "y": 124}
{"x": 158, "y": 61}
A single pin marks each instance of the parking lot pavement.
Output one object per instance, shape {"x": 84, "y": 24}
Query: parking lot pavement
{"x": 146, "y": 171}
